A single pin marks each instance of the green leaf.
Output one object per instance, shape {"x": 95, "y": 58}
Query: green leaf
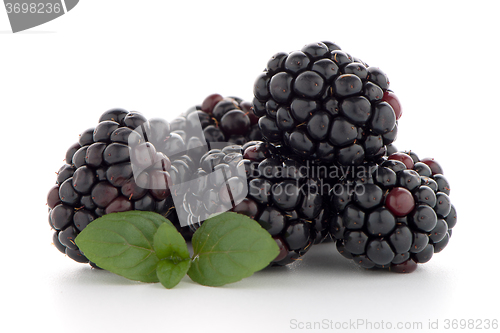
{"x": 173, "y": 253}
{"x": 169, "y": 244}
{"x": 122, "y": 243}
{"x": 170, "y": 273}
{"x": 229, "y": 247}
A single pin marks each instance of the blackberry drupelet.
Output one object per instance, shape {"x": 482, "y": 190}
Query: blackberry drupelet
{"x": 326, "y": 105}
{"x": 217, "y": 122}
{"x": 99, "y": 177}
{"x": 393, "y": 214}
{"x": 257, "y": 180}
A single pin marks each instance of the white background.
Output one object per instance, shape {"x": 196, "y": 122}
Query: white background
{"x": 160, "y": 59}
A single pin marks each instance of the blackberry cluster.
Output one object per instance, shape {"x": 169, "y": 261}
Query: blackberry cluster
{"x": 393, "y": 214}
{"x": 98, "y": 177}
{"x": 217, "y": 122}
{"x": 326, "y": 105}
{"x": 257, "y": 180}
{"x": 313, "y": 110}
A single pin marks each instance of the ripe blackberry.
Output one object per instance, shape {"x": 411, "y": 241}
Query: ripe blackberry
{"x": 326, "y": 105}
{"x": 217, "y": 122}
{"x": 114, "y": 167}
{"x": 393, "y": 214}
{"x": 257, "y": 180}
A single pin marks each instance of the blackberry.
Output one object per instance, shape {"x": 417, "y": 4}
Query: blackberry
{"x": 258, "y": 180}
{"x": 112, "y": 168}
{"x": 217, "y": 122}
{"x": 326, "y": 105}
{"x": 394, "y": 213}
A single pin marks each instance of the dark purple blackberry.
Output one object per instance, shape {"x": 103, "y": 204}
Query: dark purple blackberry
{"x": 326, "y": 105}
{"x": 258, "y": 180}
{"x": 114, "y": 167}
{"x": 217, "y": 122}
{"x": 393, "y": 214}
{"x": 214, "y": 124}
